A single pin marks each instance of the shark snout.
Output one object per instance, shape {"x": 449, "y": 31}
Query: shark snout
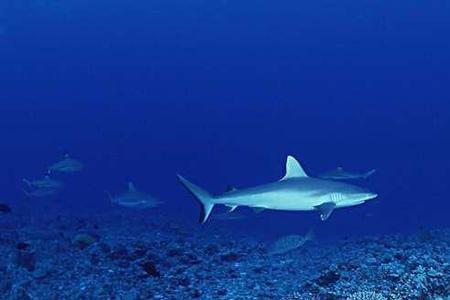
{"x": 370, "y": 196}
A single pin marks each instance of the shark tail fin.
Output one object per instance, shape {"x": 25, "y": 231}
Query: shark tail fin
{"x": 27, "y": 182}
{"x": 203, "y": 197}
{"x": 109, "y": 196}
{"x": 28, "y": 194}
{"x": 370, "y": 173}
{"x": 310, "y": 236}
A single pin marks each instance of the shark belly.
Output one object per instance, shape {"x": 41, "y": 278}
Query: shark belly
{"x": 276, "y": 200}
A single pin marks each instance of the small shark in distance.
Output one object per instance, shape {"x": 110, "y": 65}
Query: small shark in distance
{"x": 67, "y": 165}
{"x": 134, "y": 199}
{"x": 340, "y": 174}
{"x": 40, "y": 192}
{"x": 296, "y": 191}
{"x": 45, "y": 183}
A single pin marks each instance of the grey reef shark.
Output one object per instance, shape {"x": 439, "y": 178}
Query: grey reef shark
{"x": 296, "y": 191}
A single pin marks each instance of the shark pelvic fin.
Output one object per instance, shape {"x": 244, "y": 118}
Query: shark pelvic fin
{"x": 325, "y": 209}
{"x": 368, "y": 174}
{"x": 232, "y": 208}
{"x": 203, "y": 197}
{"x": 293, "y": 169}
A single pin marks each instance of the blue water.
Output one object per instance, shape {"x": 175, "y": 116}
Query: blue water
{"x": 221, "y": 92}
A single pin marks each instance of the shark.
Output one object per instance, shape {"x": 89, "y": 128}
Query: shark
{"x": 44, "y": 183}
{"x": 132, "y": 198}
{"x": 67, "y": 165}
{"x": 340, "y": 174}
{"x": 295, "y": 191}
{"x": 40, "y": 192}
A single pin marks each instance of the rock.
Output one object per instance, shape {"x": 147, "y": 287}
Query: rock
{"x": 328, "y": 278}
{"x": 119, "y": 252}
{"x": 230, "y": 257}
{"x": 25, "y": 256}
{"x": 150, "y": 269}
{"x": 22, "y": 246}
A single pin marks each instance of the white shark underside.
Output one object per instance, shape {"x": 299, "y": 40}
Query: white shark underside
{"x": 296, "y": 191}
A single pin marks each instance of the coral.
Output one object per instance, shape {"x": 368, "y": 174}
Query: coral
{"x": 366, "y": 296}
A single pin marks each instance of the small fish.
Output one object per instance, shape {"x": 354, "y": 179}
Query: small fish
{"x": 45, "y": 183}
{"x": 67, "y": 165}
{"x": 4, "y": 208}
{"x": 40, "y": 192}
{"x": 340, "y": 174}
{"x": 289, "y": 243}
{"x": 134, "y": 199}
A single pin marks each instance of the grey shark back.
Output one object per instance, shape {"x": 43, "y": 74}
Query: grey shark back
{"x": 67, "y": 165}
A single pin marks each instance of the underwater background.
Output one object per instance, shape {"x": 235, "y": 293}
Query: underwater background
{"x": 222, "y": 91}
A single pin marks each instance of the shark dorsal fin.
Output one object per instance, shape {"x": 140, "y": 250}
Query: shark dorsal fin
{"x": 293, "y": 169}
{"x": 131, "y": 187}
{"x": 231, "y": 188}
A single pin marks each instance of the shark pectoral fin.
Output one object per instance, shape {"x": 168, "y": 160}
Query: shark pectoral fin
{"x": 258, "y": 210}
{"x": 232, "y": 208}
{"x": 325, "y": 209}
{"x": 368, "y": 174}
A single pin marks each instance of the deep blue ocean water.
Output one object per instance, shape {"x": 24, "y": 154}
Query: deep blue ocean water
{"x": 221, "y": 92}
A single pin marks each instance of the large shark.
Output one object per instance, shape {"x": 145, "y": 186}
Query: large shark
{"x": 340, "y": 174}
{"x": 296, "y": 191}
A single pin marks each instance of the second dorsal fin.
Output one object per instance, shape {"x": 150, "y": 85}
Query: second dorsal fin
{"x": 231, "y": 188}
{"x": 293, "y": 169}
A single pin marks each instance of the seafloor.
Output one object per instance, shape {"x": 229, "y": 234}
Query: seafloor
{"x": 131, "y": 256}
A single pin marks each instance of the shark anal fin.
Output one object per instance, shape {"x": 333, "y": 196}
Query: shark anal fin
{"x": 258, "y": 210}
{"x": 325, "y": 209}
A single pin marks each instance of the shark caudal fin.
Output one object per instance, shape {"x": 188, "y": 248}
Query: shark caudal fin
{"x": 370, "y": 173}
{"x": 203, "y": 197}
{"x": 27, "y": 182}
